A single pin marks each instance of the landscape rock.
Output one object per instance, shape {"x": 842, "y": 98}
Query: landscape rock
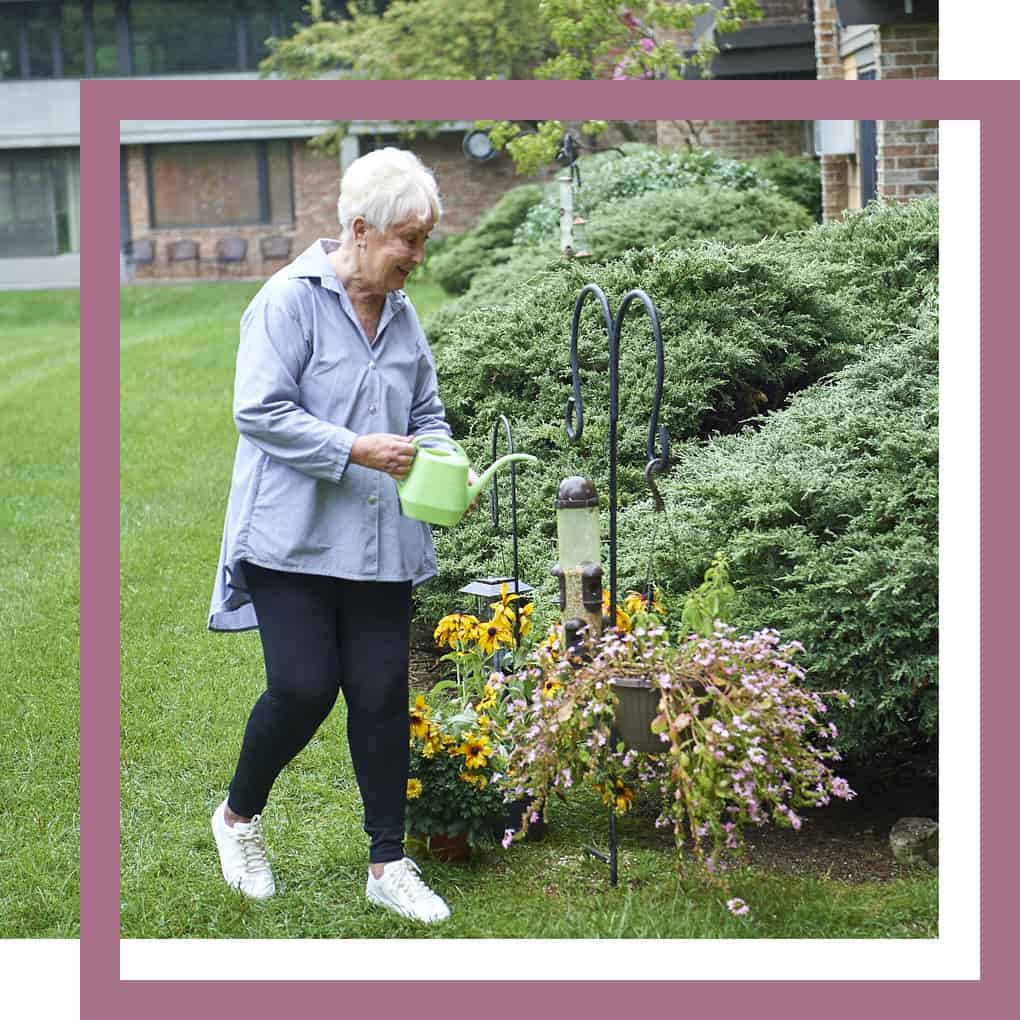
{"x": 915, "y": 841}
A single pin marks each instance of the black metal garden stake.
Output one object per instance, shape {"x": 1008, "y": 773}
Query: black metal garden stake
{"x": 656, "y": 463}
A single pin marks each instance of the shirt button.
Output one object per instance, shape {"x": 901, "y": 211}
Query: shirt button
{"x": 371, "y": 364}
{"x": 372, "y": 409}
{"x": 372, "y": 501}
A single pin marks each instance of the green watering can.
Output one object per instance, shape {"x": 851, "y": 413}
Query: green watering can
{"x": 436, "y": 489}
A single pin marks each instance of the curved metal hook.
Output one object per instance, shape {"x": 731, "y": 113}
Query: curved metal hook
{"x": 657, "y": 462}
{"x": 494, "y": 491}
{"x": 574, "y": 403}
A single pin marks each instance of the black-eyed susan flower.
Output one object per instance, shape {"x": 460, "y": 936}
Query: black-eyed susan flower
{"x": 493, "y": 634}
{"x": 456, "y": 629}
{"x": 488, "y": 700}
{"x": 413, "y": 789}
{"x": 622, "y": 797}
{"x": 525, "y": 614}
{"x": 476, "y": 750}
{"x": 475, "y": 779}
{"x": 550, "y": 685}
{"x": 419, "y": 718}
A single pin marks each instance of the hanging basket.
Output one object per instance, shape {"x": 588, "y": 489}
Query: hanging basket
{"x": 639, "y": 705}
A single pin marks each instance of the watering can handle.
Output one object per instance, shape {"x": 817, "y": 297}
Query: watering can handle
{"x": 439, "y": 435}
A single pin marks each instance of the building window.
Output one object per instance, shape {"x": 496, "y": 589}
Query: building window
{"x": 38, "y": 202}
{"x": 220, "y": 184}
{"x": 183, "y": 37}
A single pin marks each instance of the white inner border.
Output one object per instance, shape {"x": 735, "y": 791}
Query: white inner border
{"x": 954, "y": 955}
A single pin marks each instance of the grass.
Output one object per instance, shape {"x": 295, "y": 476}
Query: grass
{"x": 186, "y": 694}
{"x": 39, "y": 615}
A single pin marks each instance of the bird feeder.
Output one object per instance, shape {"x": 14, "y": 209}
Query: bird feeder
{"x": 579, "y": 570}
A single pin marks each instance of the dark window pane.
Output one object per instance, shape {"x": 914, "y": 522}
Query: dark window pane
{"x": 9, "y": 47}
{"x": 73, "y": 39}
{"x": 41, "y": 27}
{"x": 104, "y": 22}
{"x": 28, "y": 222}
{"x": 280, "y": 200}
{"x": 261, "y": 24}
{"x": 204, "y": 184}
{"x": 65, "y": 191}
{"x": 183, "y": 37}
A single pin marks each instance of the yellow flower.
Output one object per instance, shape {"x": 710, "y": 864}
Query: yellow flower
{"x": 419, "y": 716}
{"x": 475, "y": 779}
{"x": 621, "y": 798}
{"x": 489, "y": 699}
{"x": 476, "y": 750}
{"x": 433, "y": 743}
{"x": 457, "y": 628}
{"x": 484, "y": 722}
{"x": 526, "y": 612}
{"x": 413, "y": 789}
{"x": 550, "y": 685}
{"x": 635, "y": 602}
{"x": 493, "y": 634}
{"x": 502, "y": 615}
{"x": 622, "y": 619}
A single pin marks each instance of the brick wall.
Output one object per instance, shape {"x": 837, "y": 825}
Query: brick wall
{"x": 907, "y": 158}
{"x": 468, "y": 188}
{"x": 743, "y": 139}
{"x": 908, "y": 51}
{"x": 782, "y": 12}
{"x": 835, "y": 185}
{"x": 827, "y": 57}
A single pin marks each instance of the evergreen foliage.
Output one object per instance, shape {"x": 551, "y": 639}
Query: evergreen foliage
{"x": 744, "y": 327}
{"x": 487, "y": 244}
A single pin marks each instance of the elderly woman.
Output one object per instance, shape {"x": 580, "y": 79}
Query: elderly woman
{"x": 334, "y": 377}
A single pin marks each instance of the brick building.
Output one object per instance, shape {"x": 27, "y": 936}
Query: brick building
{"x": 875, "y": 40}
{"x": 215, "y": 183}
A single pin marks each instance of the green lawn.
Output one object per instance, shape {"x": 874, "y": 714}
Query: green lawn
{"x": 39, "y": 615}
{"x": 186, "y": 694}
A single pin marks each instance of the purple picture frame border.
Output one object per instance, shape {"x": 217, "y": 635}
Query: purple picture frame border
{"x": 103, "y": 105}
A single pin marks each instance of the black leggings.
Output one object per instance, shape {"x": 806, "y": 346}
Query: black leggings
{"x": 320, "y": 636}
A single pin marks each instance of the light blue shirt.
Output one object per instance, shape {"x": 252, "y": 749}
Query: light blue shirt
{"x": 308, "y": 383}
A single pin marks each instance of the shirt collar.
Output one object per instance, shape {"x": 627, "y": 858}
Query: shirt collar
{"x": 314, "y": 263}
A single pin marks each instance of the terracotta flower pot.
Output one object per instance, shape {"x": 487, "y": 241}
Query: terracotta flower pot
{"x": 440, "y": 847}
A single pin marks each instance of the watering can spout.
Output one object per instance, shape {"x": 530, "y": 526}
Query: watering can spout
{"x": 486, "y": 476}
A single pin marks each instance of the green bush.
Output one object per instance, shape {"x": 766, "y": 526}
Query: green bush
{"x": 609, "y": 177}
{"x": 743, "y": 327}
{"x": 797, "y": 178}
{"x": 674, "y": 218}
{"x": 486, "y": 245}
{"x": 829, "y": 516}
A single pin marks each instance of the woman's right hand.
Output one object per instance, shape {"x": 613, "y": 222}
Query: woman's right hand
{"x": 383, "y": 451}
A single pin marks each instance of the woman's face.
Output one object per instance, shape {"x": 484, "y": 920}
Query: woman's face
{"x": 390, "y": 256}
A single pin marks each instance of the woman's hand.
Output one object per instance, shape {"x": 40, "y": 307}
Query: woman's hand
{"x": 383, "y": 451}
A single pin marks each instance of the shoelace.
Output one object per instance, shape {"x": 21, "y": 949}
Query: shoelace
{"x": 409, "y": 882}
{"x": 253, "y": 846}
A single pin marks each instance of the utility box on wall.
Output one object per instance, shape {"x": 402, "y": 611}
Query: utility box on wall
{"x": 835, "y": 137}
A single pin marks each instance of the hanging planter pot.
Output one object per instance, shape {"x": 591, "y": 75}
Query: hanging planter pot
{"x": 638, "y": 706}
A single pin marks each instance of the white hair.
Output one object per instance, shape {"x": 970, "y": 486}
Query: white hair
{"x": 388, "y": 186}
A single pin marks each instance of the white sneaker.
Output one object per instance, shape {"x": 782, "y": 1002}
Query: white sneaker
{"x": 401, "y": 889}
{"x": 242, "y": 850}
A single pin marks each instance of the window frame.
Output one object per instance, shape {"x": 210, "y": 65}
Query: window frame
{"x": 262, "y": 181}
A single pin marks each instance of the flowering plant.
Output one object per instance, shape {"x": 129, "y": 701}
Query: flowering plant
{"x": 742, "y": 740}
{"x": 476, "y": 646}
{"x": 450, "y": 786}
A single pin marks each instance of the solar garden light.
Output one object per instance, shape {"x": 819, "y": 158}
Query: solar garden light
{"x": 579, "y": 569}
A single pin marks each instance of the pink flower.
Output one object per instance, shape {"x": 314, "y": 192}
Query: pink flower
{"x": 737, "y": 907}
{"x": 508, "y": 838}
{"x": 647, "y": 44}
